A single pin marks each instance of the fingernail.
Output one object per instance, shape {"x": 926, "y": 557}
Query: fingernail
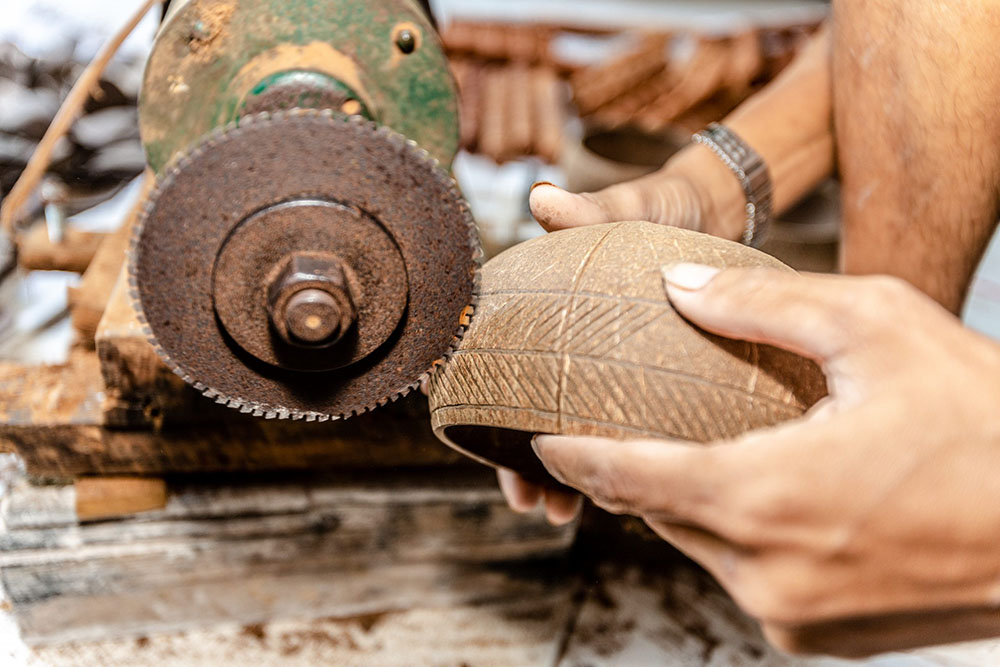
{"x": 540, "y": 183}
{"x": 521, "y": 498}
{"x": 687, "y": 276}
{"x": 561, "y": 516}
{"x": 536, "y": 442}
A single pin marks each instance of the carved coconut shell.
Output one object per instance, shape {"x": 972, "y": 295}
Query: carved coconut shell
{"x": 573, "y": 334}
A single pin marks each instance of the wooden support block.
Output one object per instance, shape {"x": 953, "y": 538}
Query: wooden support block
{"x": 107, "y": 497}
{"x": 87, "y": 301}
{"x": 42, "y": 396}
{"x": 35, "y": 252}
{"x": 140, "y": 390}
{"x": 54, "y": 418}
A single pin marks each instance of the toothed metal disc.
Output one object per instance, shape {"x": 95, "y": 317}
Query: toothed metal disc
{"x": 244, "y": 186}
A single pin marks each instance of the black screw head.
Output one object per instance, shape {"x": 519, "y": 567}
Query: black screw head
{"x": 406, "y": 41}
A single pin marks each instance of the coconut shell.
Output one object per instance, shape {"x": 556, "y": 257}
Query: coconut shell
{"x": 574, "y": 334}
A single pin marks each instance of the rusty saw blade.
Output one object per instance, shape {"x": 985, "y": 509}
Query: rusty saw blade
{"x": 304, "y": 184}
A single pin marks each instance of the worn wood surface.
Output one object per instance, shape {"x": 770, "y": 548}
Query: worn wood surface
{"x": 573, "y": 333}
{"x": 54, "y": 418}
{"x": 140, "y": 391}
{"x": 399, "y": 570}
{"x": 249, "y": 550}
{"x": 395, "y": 568}
{"x": 628, "y": 617}
{"x": 486, "y": 633}
{"x": 110, "y": 497}
{"x": 87, "y": 301}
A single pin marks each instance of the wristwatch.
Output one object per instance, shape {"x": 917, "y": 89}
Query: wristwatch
{"x": 752, "y": 173}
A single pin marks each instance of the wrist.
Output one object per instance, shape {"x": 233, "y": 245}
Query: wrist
{"x": 716, "y": 193}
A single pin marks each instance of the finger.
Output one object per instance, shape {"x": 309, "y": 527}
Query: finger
{"x": 715, "y": 554}
{"x": 642, "y": 477}
{"x": 820, "y": 317}
{"x": 561, "y": 507}
{"x": 555, "y": 208}
{"x": 725, "y": 488}
{"x": 522, "y": 496}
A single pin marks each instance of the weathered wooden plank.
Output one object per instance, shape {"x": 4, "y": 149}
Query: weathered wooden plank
{"x": 140, "y": 391}
{"x": 71, "y": 450}
{"x": 69, "y": 393}
{"x": 107, "y": 497}
{"x": 494, "y": 633}
{"x": 672, "y": 615}
{"x": 88, "y": 300}
{"x": 293, "y": 547}
{"x": 53, "y": 417}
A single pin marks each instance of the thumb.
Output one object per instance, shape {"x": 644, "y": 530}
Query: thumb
{"x": 555, "y": 208}
{"x": 820, "y": 317}
{"x": 658, "y": 200}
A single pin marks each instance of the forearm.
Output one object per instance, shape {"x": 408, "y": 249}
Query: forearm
{"x": 789, "y": 123}
{"x": 916, "y": 88}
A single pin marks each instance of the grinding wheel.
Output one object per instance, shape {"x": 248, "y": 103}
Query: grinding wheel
{"x": 574, "y": 334}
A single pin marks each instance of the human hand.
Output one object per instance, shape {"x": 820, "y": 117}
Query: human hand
{"x": 663, "y": 198}
{"x": 872, "y": 523}
{"x": 561, "y": 506}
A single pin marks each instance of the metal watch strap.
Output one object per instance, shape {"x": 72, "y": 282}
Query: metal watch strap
{"x": 752, "y": 173}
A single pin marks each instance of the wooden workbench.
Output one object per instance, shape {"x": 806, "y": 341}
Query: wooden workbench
{"x": 396, "y": 569}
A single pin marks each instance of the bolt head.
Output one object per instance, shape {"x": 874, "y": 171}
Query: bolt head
{"x": 314, "y": 316}
{"x": 309, "y": 300}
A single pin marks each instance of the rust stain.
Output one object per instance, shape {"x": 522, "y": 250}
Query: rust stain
{"x": 208, "y": 28}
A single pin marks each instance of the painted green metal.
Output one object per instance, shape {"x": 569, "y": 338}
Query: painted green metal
{"x": 210, "y": 57}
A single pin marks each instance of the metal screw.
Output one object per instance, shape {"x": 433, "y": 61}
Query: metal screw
{"x": 406, "y": 41}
